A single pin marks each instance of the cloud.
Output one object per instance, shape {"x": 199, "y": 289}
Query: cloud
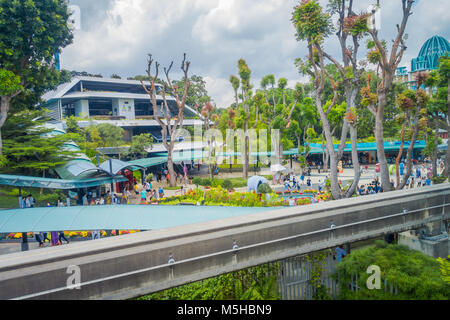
{"x": 117, "y": 35}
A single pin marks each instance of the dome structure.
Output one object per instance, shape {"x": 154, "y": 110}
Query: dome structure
{"x": 431, "y": 51}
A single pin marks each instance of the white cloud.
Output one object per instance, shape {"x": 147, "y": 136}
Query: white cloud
{"x": 216, "y": 33}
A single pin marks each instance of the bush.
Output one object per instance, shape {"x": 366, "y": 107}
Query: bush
{"x": 227, "y": 184}
{"x": 149, "y": 177}
{"x": 264, "y": 188}
{"x": 414, "y": 274}
{"x": 197, "y": 181}
{"x": 206, "y": 182}
{"x": 439, "y": 180}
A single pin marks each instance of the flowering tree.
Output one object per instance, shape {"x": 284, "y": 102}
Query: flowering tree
{"x": 387, "y": 63}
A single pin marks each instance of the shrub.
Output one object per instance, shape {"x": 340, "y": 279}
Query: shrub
{"x": 264, "y": 188}
{"x": 227, "y": 184}
{"x": 206, "y": 182}
{"x": 149, "y": 177}
{"x": 439, "y": 180}
{"x": 197, "y": 181}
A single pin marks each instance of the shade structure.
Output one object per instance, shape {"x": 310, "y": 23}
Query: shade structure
{"x": 60, "y": 184}
{"x": 111, "y": 217}
{"x": 277, "y": 168}
{"x": 117, "y": 165}
{"x": 254, "y": 182}
{"x": 79, "y": 169}
{"x": 148, "y": 162}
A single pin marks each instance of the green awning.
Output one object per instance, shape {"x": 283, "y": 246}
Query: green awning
{"x": 60, "y": 184}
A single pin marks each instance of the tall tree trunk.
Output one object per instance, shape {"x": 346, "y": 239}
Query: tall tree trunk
{"x": 4, "y": 108}
{"x": 355, "y": 160}
{"x": 335, "y": 189}
{"x": 410, "y": 150}
{"x": 400, "y": 152}
{"x": 170, "y": 167}
{"x": 379, "y": 118}
{"x": 434, "y": 157}
{"x": 447, "y": 154}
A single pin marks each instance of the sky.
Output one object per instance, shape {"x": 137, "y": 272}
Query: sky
{"x": 115, "y": 37}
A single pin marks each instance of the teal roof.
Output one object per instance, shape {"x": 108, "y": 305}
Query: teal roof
{"x": 429, "y": 55}
{"x": 110, "y": 217}
{"x": 49, "y": 183}
{"x": 370, "y": 146}
{"x": 118, "y": 165}
{"x": 79, "y": 169}
{"x": 148, "y": 162}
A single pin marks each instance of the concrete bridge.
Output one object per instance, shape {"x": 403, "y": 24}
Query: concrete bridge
{"x": 137, "y": 264}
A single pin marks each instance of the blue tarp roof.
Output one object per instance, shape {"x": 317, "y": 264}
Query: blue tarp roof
{"x": 110, "y": 217}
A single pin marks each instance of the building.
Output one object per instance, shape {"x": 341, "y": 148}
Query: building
{"x": 123, "y": 103}
{"x": 427, "y": 60}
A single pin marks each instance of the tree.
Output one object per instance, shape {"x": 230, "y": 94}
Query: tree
{"x": 387, "y": 64}
{"x": 168, "y": 128}
{"x": 31, "y": 32}
{"x": 29, "y": 146}
{"x": 139, "y": 145}
{"x": 282, "y": 83}
{"x": 107, "y": 135}
{"x": 440, "y": 102}
{"x": 197, "y": 93}
{"x": 411, "y": 102}
{"x": 210, "y": 121}
{"x": 312, "y": 26}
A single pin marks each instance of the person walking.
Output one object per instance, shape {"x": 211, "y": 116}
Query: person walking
{"x": 144, "y": 196}
{"x": 55, "y": 239}
{"x": 62, "y": 236}
{"x": 37, "y": 236}
{"x": 85, "y": 200}
{"x": 161, "y": 192}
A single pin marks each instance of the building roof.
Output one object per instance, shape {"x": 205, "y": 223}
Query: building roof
{"x": 60, "y": 184}
{"x": 61, "y": 90}
{"x": 431, "y": 51}
{"x": 113, "y": 217}
{"x": 118, "y": 165}
{"x": 79, "y": 169}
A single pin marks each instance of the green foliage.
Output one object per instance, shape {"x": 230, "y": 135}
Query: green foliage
{"x": 227, "y": 184}
{"x": 218, "y": 196}
{"x": 264, "y": 188}
{"x": 445, "y": 269}
{"x": 197, "y": 181}
{"x": 439, "y": 180}
{"x": 207, "y": 182}
{"x": 9, "y": 83}
{"x": 317, "y": 261}
{"x": 29, "y": 147}
{"x": 139, "y": 144}
{"x": 256, "y": 283}
{"x": 149, "y": 177}
{"x": 311, "y": 23}
{"x": 197, "y": 93}
{"x": 415, "y": 275}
